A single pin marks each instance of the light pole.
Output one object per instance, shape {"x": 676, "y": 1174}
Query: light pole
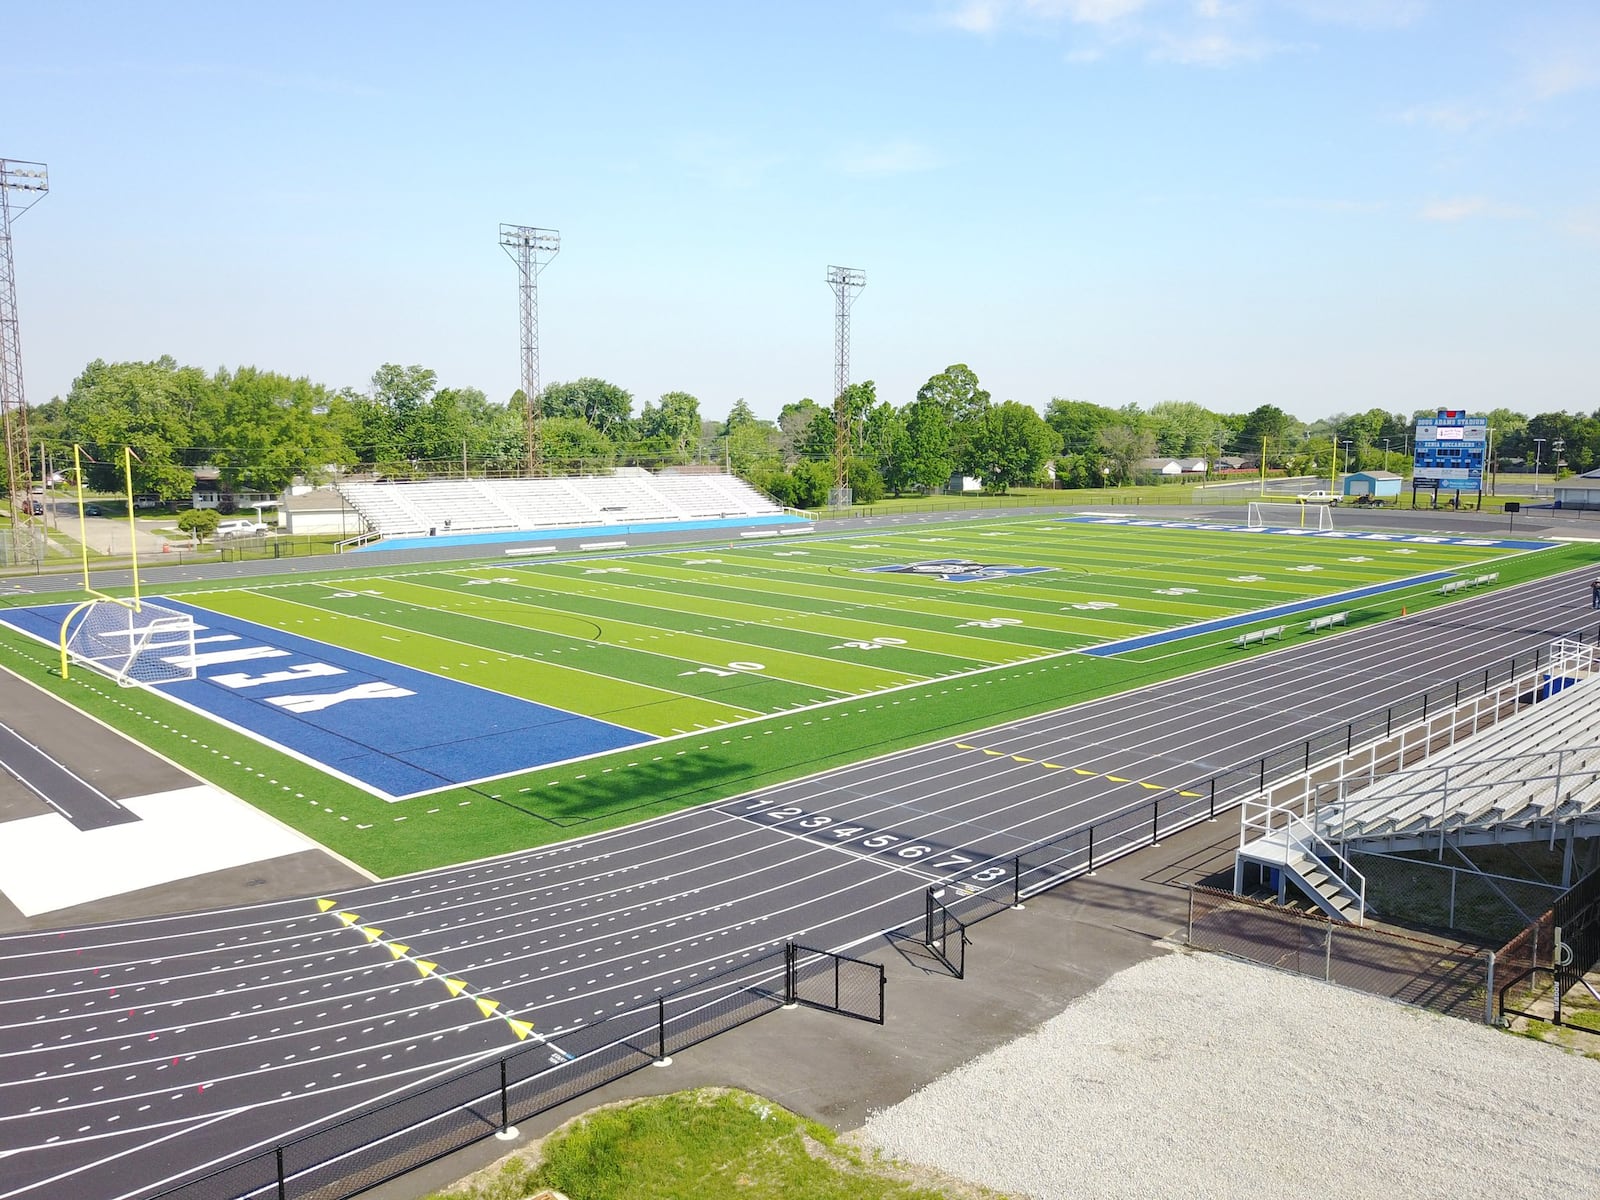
{"x": 1386, "y": 453}
{"x": 1538, "y": 445}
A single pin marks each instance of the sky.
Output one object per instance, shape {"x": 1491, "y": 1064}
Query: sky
{"x": 1329, "y": 206}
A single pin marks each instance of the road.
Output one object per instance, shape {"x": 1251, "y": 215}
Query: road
{"x": 136, "y": 1054}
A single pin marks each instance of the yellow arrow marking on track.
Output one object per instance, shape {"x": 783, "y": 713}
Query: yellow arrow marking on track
{"x": 1118, "y": 779}
{"x": 1020, "y": 759}
{"x": 1081, "y": 771}
{"x": 456, "y": 987}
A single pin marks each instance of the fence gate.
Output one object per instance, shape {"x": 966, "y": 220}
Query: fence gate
{"x": 836, "y": 983}
{"x": 945, "y": 936}
{"x": 1576, "y": 917}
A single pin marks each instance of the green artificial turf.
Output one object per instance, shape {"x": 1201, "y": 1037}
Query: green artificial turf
{"x": 718, "y": 761}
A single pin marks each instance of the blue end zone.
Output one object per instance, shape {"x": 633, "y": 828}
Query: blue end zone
{"x": 1345, "y": 535}
{"x": 586, "y": 531}
{"x": 394, "y": 730}
{"x": 1264, "y": 614}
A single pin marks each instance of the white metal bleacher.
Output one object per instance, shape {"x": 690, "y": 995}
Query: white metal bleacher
{"x": 495, "y": 505}
{"x": 1518, "y": 763}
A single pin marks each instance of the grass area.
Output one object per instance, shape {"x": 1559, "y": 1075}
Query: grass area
{"x": 708, "y": 1144}
{"x": 557, "y": 802}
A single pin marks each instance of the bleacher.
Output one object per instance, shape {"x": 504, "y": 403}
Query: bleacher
{"x": 1517, "y": 763}
{"x": 468, "y": 506}
{"x": 1509, "y": 784}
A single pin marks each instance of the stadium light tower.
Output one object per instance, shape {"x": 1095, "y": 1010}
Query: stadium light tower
{"x": 531, "y": 249}
{"x": 22, "y": 185}
{"x": 846, "y": 283}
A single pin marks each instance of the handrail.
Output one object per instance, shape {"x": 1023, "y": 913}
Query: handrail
{"x": 1328, "y": 850}
{"x": 371, "y": 535}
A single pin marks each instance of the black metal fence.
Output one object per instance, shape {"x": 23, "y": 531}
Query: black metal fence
{"x": 1455, "y": 981}
{"x": 381, "y": 1143}
{"x": 1563, "y": 945}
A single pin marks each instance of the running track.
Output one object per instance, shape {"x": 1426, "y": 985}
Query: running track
{"x": 134, "y": 1055}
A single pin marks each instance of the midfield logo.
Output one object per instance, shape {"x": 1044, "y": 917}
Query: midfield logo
{"x": 956, "y": 570}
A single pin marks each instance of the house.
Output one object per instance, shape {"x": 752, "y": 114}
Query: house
{"x": 1173, "y": 468}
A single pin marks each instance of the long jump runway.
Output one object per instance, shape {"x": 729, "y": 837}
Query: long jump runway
{"x": 137, "y": 1055}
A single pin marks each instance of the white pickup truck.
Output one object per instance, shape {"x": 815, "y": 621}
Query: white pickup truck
{"x": 1331, "y": 499}
{"x": 241, "y": 528}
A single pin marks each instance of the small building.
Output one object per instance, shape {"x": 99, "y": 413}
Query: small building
{"x": 1379, "y": 485}
{"x": 1580, "y": 491}
{"x": 323, "y": 511}
{"x": 963, "y": 485}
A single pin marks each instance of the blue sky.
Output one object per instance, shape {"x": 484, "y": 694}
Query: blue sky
{"x": 1323, "y": 205}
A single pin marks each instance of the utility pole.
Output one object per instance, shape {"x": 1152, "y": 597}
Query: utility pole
{"x": 22, "y": 185}
{"x": 531, "y": 249}
{"x": 846, "y": 283}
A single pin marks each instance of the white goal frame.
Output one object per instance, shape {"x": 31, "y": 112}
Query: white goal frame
{"x": 1288, "y": 515}
{"x": 134, "y": 644}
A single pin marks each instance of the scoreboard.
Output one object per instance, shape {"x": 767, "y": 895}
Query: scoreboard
{"x": 1450, "y": 450}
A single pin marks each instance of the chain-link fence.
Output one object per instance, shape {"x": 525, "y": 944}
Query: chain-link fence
{"x": 1453, "y": 980}
{"x": 1411, "y": 889}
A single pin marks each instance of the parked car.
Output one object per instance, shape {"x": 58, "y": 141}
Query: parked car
{"x": 242, "y": 528}
{"x": 38, "y": 508}
{"x": 1331, "y": 499}
{"x": 93, "y": 510}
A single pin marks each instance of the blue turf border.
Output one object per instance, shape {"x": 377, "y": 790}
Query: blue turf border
{"x": 1266, "y": 614}
{"x": 1340, "y": 535}
{"x": 584, "y": 531}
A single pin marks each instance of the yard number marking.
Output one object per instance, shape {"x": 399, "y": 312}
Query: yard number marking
{"x": 876, "y": 643}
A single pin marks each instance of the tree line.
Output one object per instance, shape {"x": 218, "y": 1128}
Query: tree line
{"x": 261, "y": 430}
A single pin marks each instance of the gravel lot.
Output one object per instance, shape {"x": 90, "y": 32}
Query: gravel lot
{"x": 1194, "y": 1075}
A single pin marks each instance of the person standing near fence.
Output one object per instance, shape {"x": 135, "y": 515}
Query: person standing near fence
{"x": 1594, "y": 594}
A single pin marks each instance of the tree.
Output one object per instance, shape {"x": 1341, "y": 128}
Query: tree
{"x": 1183, "y": 428}
{"x": 671, "y": 428}
{"x": 199, "y": 523}
{"x": 1010, "y": 446}
{"x": 929, "y": 460}
{"x": 1124, "y": 446}
{"x": 149, "y": 406}
{"x": 957, "y": 393}
{"x": 603, "y": 405}
{"x": 1078, "y": 422}
{"x": 1271, "y": 426}
{"x": 794, "y": 421}
{"x": 572, "y": 443}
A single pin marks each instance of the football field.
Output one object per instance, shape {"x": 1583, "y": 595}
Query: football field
{"x": 539, "y": 684}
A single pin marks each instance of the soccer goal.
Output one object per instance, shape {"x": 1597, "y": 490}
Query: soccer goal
{"x": 1266, "y": 515}
{"x": 137, "y": 645}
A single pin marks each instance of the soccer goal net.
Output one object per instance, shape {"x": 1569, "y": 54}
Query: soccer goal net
{"x": 1265, "y": 515}
{"x": 134, "y": 646}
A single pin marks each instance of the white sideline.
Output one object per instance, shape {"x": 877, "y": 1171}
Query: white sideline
{"x": 46, "y": 864}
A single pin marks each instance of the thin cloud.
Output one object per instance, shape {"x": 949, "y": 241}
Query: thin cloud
{"x": 890, "y": 158}
{"x": 1459, "y": 117}
{"x": 1463, "y": 208}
